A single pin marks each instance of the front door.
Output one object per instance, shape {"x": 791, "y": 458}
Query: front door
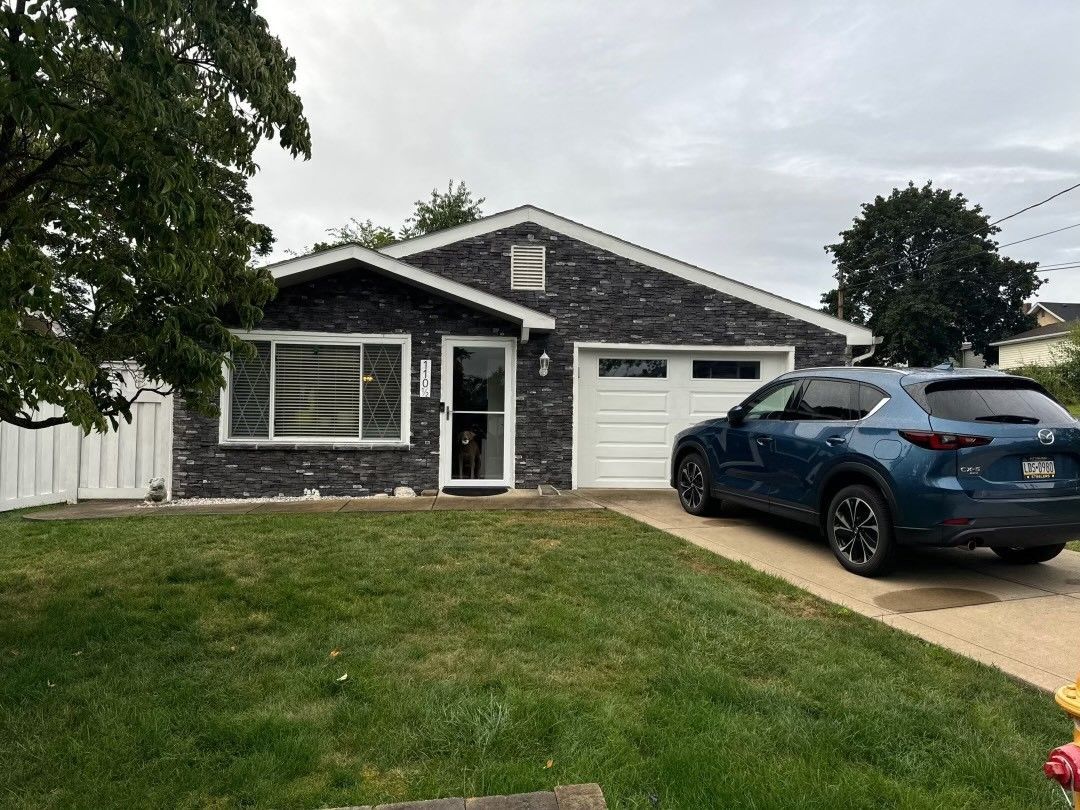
{"x": 477, "y": 434}
{"x": 746, "y": 465}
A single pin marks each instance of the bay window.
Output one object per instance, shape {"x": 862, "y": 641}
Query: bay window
{"x": 303, "y": 387}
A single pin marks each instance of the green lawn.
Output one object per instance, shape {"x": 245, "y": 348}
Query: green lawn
{"x": 186, "y": 662}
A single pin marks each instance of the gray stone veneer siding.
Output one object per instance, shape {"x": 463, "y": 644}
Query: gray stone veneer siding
{"x": 356, "y": 301}
{"x": 594, "y": 295}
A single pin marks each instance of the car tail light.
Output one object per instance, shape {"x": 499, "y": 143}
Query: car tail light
{"x": 943, "y": 441}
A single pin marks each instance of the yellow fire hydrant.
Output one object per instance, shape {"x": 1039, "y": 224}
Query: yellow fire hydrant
{"x": 1063, "y": 764}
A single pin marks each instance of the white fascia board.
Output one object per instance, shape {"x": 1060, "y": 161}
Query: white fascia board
{"x": 856, "y": 335}
{"x": 1057, "y": 336}
{"x": 326, "y": 262}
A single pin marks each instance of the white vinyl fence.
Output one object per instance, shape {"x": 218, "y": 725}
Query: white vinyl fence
{"x": 60, "y": 464}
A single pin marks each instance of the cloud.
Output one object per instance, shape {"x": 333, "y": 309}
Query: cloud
{"x": 741, "y": 137}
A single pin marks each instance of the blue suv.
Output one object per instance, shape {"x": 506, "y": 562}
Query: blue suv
{"x": 882, "y": 457}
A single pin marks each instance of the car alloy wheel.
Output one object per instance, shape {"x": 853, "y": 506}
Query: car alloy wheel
{"x": 855, "y": 527}
{"x": 691, "y": 484}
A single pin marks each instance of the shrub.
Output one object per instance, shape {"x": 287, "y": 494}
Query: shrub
{"x": 1054, "y": 379}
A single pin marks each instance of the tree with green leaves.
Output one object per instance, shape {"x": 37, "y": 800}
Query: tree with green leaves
{"x": 441, "y": 210}
{"x": 357, "y": 232}
{"x": 922, "y": 270}
{"x": 127, "y": 138}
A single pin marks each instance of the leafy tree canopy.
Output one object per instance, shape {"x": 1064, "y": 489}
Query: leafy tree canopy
{"x": 442, "y": 210}
{"x": 365, "y": 233}
{"x": 922, "y": 270}
{"x": 127, "y": 136}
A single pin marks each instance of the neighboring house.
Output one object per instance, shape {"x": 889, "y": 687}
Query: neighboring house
{"x": 517, "y": 350}
{"x": 1035, "y": 347}
{"x": 969, "y": 358}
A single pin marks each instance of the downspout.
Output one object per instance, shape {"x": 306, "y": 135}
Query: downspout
{"x": 869, "y": 354}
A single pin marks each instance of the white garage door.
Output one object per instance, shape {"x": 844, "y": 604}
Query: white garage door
{"x": 631, "y": 403}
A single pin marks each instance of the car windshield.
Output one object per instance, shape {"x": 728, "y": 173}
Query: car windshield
{"x": 992, "y": 400}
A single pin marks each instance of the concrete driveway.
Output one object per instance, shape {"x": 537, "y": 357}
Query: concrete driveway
{"x": 1024, "y": 620}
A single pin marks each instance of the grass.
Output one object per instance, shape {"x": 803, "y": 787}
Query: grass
{"x": 187, "y": 662}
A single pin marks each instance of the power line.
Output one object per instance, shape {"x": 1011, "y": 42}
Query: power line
{"x": 1040, "y": 235}
{"x": 1052, "y": 265}
{"x": 1062, "y": 267}
{"x": 1036, "y": 205}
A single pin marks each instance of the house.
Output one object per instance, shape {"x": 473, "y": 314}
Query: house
{"x": 969, "y": 358}
{"x": 517, "y": 350}
{"x": 1036, "y": 346}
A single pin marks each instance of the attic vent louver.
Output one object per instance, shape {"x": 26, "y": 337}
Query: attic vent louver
{"x": 527, "y": 263}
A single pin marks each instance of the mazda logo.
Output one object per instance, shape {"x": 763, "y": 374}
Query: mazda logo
{"x": 1046, "y": 436}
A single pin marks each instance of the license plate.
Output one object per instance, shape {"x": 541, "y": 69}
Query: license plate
{"x": 1038, "y": 468}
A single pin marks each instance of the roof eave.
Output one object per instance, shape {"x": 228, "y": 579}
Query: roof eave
{"x": 1031, "y": 339}
{"x": 854, "y": 334}
{"x": 327, "y": 262}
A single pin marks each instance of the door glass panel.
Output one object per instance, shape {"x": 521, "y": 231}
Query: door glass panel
{"x": 774, "y": 405}
{"x": 479, "y": 413}
{"x": 827, "y": 400}
{"x": 632, "y": 367}
{"x": 727, "y": 370}
{"x": 869, "y": 397}
{"x": 479, "y": 378}
{"x": 477, "y": 451}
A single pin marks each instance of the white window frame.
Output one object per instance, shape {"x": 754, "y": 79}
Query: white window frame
{"x": 325, "y": 339}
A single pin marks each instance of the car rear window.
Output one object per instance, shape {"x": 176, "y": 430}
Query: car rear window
{"x": 1010, "y": 401}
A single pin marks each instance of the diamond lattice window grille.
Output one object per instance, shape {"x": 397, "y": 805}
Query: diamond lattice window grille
{"x": 249, "y": 408}
{"x": 382, "y": 391}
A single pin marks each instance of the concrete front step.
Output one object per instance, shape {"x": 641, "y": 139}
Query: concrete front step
{"x": 564, "y": 797}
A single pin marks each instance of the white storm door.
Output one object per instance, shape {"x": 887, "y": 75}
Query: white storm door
{"x": 476, "y": 437}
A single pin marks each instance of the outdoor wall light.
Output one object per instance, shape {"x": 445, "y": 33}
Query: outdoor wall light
{"x": 545, "y": 361}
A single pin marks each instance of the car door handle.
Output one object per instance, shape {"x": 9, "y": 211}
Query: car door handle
{"x": 833, "y": 441}
{"x": 763, "y": 440}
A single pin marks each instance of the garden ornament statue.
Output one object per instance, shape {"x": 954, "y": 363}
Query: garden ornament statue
{"x": 155, "y": 490}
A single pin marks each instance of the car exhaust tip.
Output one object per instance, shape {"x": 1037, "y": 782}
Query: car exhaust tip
{"x": 974, "y": 543}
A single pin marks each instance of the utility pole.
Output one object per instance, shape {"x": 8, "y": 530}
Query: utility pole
{"x": 840, "y": 293}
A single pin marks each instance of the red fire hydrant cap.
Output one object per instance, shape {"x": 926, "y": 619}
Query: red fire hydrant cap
{"x": 1063, "y": 766}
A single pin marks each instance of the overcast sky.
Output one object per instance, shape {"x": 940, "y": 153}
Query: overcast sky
{"x": 738, "y": 136}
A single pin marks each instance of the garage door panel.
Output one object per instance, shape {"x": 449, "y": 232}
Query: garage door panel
{"x": 626, "y": 424}
{"x": 704, "y": 406}
{"x": 621, "y": 402}
{"x": 629, "y": 432}
{"x": 620, "y": 472}
{"x": 631, "y": 451}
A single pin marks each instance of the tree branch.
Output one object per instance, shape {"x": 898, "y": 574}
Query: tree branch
{"x": 58, "y": 156}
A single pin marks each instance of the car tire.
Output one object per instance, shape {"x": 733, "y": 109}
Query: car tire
{"x": 692, "y": 483}
{"x": 859, "y": 528}
{"x": 1027, "y": 556}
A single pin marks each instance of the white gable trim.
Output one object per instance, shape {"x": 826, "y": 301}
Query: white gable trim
{"x": 338, "y": 259}
{"x": 856, "y": 335}
{"x": 1047, "y": 310}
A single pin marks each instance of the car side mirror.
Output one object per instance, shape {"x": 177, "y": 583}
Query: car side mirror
{"x": 737, "y": 415}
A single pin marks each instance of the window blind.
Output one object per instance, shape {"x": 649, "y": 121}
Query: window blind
{"x": 317, "y": 390}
